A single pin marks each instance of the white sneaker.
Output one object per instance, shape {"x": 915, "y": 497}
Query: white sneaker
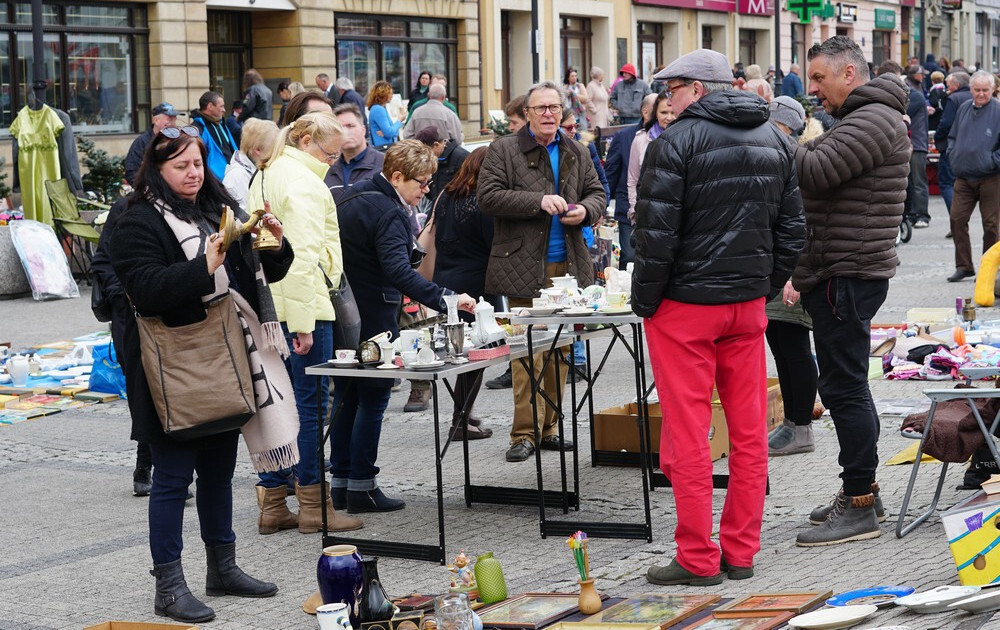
{"x": 921, "y": 224}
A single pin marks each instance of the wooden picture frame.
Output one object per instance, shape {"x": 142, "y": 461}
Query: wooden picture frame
{"x": 530, "y": 611}
{"x": 659, "y": 610}
{"x": 584, "y": 625}
{"x": 797, "y": 602}
{"x": 758, "y": 620}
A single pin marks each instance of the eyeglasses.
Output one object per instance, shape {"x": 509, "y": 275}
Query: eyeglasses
{"x": 330, "y": 157}
{"x": 670, "y": 90}
{"x": 424, "y": 184}
{"x": 571, "y": 128}
{"x": 175, "y": 132}
{"x": 541, "y": 109}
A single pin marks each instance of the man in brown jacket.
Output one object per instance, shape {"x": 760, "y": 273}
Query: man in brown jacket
{"x": 853, "y": 183}
{"x": 541, "y": 189}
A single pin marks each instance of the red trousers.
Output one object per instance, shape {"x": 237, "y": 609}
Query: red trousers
{"x": 692, "y": 346}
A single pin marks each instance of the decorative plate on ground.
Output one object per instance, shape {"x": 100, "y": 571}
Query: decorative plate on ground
{"x": 980, "y": 602}
{"x": 832, "y": 618}
{"x": 937, "y": 599}
{"x": 877, "y": 595}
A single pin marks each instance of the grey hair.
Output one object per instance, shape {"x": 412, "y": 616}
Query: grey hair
{"x": 343, "y": 83}
{"x": 715, "y": 86}
{"x": 544, "y": 85}
{"x": 437, "y": 92}
{"x": 844, "y": 51}
{"x": 961, "y": 79}
{"x": 982, "y": 74}
{"x": 596, "y": 72}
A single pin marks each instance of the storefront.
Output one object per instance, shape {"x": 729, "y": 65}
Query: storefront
{"x": 882, "y": 37}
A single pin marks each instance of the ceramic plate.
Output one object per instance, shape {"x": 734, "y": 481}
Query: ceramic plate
{"x": 578, "y": 312}
{"x": 425, "y": 366}
{"x": 615, "y": 310}
{"x": 832, "y": 618}
{"x": 936, "y": 599}
{"x": 980, "y": 602}
{"x": 343, "y": 364}
{"x": 542, "y": 312}
{"x": 388, "y": 366}
{"x": 876, "y": 595}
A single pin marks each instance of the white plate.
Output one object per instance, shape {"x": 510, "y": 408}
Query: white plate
{"x": 832, "y": 618}
{"x": 980, "y": 602}
{"x": 937, "y": 599}
{"x": 615, "y": 310}
{"x": 388, "y": 366}
{"x": 339, "y": 363}
{"x": 425, "y": 366}
{"x": 543, "y": 312}
{"x": 577, "y": 312}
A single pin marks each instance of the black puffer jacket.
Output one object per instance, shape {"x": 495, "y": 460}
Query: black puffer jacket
{"x": 719, "y": 217}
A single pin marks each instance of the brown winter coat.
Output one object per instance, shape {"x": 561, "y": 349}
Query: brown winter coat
{"x": 515, "y": 175}
{"x": 853, "y": 183}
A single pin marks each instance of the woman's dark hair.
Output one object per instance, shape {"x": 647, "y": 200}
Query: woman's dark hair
{"x": 298, "y": 106}
{"x": 467, "y": 178}
{"x": 662, "y": 96}
{"x": 149, "y": 181}
{"x": 569, "y": 71}
{"x": 420, "y": 76}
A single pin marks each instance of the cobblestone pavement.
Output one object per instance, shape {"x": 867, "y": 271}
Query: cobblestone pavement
{"x": 74, "y": 546}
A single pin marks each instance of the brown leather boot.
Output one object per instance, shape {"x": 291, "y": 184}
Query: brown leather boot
{"x": 274, "y": 512}
{"x": 311, "y": 511}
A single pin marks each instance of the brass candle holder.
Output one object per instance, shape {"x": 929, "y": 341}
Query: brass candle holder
{"x": 230, "y": 229}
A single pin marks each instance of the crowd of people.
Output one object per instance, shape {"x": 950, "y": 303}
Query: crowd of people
{"x": 792, "y": 229}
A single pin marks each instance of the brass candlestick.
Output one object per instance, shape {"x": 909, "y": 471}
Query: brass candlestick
{"x": 230, "y": 229}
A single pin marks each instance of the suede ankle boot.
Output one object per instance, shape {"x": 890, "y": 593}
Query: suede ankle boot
{"x": 856, "y": 521}
{"x": 173, "y": 598}
{"x": 819, "y": 515}
{"x": 311, "y": 512}
{"x": 225, "y": 578}
{"x": 274, "y": 512}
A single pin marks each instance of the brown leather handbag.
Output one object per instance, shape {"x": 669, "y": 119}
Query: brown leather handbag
{"x": 199, "y": 374}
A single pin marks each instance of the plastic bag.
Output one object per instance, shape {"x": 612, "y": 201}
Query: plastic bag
{"x": 107, "y": 376}
{"x": 44, "y": 260}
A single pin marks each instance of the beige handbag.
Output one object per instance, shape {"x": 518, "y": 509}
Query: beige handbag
{"x": 199, "y": 374}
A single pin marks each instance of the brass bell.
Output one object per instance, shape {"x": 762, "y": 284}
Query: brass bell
{"x": 231, "y": 230}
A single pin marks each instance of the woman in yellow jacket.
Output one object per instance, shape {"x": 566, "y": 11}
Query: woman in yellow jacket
{"x": 291, "y": 182}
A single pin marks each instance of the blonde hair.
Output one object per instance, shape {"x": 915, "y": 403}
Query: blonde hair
{"x": 412, "y": 158}
{"x": 258, "y": 134}
{"x": 296, "y": 87}
{"x": 753, "y": 72}
{"x": 320, "y": 126}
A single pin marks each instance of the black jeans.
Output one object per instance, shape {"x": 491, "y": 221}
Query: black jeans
{"x": 793, "y": 359}
{"x": 842, "y": 309}
{"x": 174, "y": 464}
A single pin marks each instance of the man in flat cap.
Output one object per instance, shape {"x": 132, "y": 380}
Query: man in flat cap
{"x": 718, "y": 228}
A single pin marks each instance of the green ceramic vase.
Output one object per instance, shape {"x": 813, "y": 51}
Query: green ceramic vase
{"x": 489, "y": 578}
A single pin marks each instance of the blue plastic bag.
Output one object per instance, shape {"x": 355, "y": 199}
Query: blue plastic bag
{"x": 106, "y": 376}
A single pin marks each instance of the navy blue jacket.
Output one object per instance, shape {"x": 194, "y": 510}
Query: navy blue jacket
{"x": 917, "y": 111}
{"x": 951, "y": 105}
{"x": 601, "y": 174}
{"x": 616, "y": 167}
{"x": 377, "y": 240}
{"x": 369, "y": 165}
{"x": 974, "y": 145}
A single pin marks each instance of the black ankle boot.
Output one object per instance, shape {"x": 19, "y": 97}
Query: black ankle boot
{"x": 372, "y": 501}
{"x": 142, "y": 481}
{"x": 338, "y": 497}
{"x": 173, "y": 599}
{"x": 225, "y": 578}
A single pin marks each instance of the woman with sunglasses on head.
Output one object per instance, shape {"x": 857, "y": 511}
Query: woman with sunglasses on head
{"x": 290, "y": 183}
{"x": 167, "y": 253}
{"x": 378, "y": 258}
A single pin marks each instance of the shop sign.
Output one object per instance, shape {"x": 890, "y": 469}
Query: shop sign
{"x": 847, "y": 12}
{"x": 726, "y": 6}
{"x": 805, "y": 8}
{"x": 885, "y": 19}
{"x": 755, "y": 7}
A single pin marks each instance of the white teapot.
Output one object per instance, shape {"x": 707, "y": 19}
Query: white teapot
{"x": 567, "y": 283}
{"x": 485, "y": 329}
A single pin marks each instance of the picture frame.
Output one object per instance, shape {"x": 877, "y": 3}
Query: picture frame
{"x": 584, "y": 625}
{"x": 797, "y": 602}
{"x": 658, "y": 610}
{"x": 530, "y": 611}
{"x": 757, "y": 620}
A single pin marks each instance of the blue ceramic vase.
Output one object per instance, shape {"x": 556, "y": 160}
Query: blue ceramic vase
{"x": 341, "y": 579}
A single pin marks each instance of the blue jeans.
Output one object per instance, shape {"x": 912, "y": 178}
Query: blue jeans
{"x": 174, "y": 464}
{"x": 356, "y": 432}
{"x": 946, "y": 181}
{"x": 627, "y": 255}
{"x": 310, "y": 392}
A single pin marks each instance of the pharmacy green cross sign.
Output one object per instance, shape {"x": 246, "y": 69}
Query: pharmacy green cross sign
{"x": 807, "y": 8}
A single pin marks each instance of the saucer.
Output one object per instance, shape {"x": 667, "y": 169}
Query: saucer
{"x": 937, "y": 599}
{"x": 876, "y": 595}
{"x": 979, "y": 603}
{"x": 578, "y": 312}
{"x": 339, "y": 363}
{"x": 425, "y": 366}
{"x": 615, "y": 310}
{"x": 388, "y": 366}
{"x": 831, "y": 618}
{"x": 542, "y": 312}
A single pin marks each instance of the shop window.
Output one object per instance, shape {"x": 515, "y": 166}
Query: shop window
{"x": 748, "y": 46}
{"x": 706, "y": 37}
{"x": 96, "y": 64}
{"x": 575, "y": 36}
{"x": 650, "y": 36}
{"x": 229, "y": 53}
{"x": 881, "y": 46}
{"x": 799, "y": 44}
{"x": 371, "y": 49}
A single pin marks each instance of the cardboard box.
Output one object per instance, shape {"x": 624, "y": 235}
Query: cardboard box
{"x": 139, "y": 625}
{"x": 971, "y": 528}
{"x": 615, "y": 428}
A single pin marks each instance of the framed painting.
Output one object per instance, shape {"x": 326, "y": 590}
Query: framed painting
{"x": 584, "y": 625}
{"x": 793, "y": 601}
{"x": 529, "y": 611}
{"x": 760, "y": 620}
{"x": 653, "y": 609}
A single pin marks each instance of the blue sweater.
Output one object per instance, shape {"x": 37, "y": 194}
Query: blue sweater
{"x": 379, "y": 120}
{"x": 972, "y": 142}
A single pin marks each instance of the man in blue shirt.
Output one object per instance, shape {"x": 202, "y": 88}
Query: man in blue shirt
{"x": 791, "y": 85}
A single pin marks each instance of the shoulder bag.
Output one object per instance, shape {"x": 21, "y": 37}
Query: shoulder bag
{"x": 347, "y": 324}
{"x": 425, "y": 241}
{"x": 99, "y": 303}
{"x": 199, "y": 374}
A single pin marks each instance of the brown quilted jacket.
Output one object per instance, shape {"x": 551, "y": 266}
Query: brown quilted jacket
{"x": 515, "y": 175}
{"x": 853, "y": 184}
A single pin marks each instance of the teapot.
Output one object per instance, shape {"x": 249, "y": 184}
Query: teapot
{"x": 567, "y": 283}
{"x": 486, "y": 329}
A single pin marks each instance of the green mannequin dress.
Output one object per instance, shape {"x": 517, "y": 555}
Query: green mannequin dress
{"x": 38, "y": 158}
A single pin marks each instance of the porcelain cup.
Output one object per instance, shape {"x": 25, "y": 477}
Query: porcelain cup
{"x": 540, "y": 302}
{"x": 19, "y": 367}
{"x": 333, "y": 617}
{"x": 408, "y": 340}
{"x": 410, "y": 357}
{"x": 345, "y": 355}
{"x": 616, "y": 299}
